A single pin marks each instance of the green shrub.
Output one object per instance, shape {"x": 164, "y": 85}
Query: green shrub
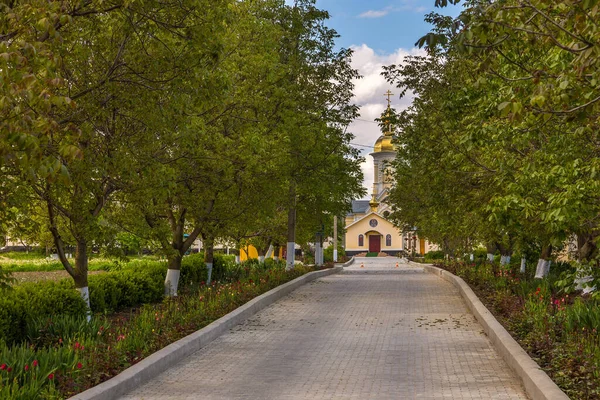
{"x": 193, "y": 269}
{"x": 222, "y": 264}
{"x": 28, "y": 301}
{"x": 5, "y": 279}
{"x": 137, "y": 284}
{"x": 328, "y": 253}
{"x": 434, "y": 255}
{"x": 134, "y": 283}
{"x": 480, "y": 254}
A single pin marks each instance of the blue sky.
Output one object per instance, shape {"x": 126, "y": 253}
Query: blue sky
{"x": 384, "y": 25}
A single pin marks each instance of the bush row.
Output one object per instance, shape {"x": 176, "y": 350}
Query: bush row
{"x": 136, "y": 283}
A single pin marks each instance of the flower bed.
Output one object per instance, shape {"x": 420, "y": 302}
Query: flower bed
{"x": 559, "y": 330}
{"x": 71, "y": 355}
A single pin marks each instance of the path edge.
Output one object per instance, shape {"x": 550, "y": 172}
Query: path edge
{"x": 160, "y": 361}
{"x": 537, "y": 383}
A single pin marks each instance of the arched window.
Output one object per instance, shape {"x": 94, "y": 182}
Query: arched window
{"x": 388, "y": 240}
{"x": 361, "y": 240}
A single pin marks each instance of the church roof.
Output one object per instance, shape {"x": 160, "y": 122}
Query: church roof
{"x": 360, "y": 206}
{"x": 384, "y": 143}
{"x": 368, "y": 217}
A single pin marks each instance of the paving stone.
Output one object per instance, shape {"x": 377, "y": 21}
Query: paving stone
{"x": 377, "y": 332}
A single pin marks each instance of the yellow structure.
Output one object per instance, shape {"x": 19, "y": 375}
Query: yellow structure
{"x": 367, "y": 226}
{"x": 248, "y": 252}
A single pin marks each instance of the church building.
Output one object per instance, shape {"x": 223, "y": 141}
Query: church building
{"x": 368, "y": 229}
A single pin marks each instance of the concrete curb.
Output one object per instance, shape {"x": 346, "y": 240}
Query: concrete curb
{"x": 348, "y": 263}
{"x": 163, "y": 359}
{"x": 538, "y": 384}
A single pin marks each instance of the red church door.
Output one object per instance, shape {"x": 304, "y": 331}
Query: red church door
{"x": 374, "y": 243}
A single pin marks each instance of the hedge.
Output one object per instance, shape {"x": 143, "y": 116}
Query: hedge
{"x": 137, "y": 283}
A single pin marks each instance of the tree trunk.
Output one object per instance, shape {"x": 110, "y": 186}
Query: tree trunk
{"x": 318, "y": 262}
{"x": 209, "y": 248}
{"x": 543, "y": 265}
{"x": 491, "y": 249}
{"x": 586, "y": 247}
{"x": 276, "y": 252}
{"x": 335, "y": 239}
{"x": 505, "y": 254}
{"x": 523, "y": 264}
{"x": 291, "y": 228}
{"x": 80, "y": 275}
{"x": 173, "y": 274}
{"x": 79, "y": 272}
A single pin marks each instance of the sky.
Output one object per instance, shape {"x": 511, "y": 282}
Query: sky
{"x": 381, "y": 32}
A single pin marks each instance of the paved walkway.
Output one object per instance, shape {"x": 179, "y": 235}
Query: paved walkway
{"x": 377, "y": 332}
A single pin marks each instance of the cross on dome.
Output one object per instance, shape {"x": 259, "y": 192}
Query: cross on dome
{"x": 389, "y": 94}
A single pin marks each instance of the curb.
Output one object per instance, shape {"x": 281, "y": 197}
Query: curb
{"x": 348, "y": 263}
{"x": 537, "y": 383}
{"x": 170, "y": 355}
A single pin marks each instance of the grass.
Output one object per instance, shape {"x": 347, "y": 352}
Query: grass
{"x": 21, "y": 262}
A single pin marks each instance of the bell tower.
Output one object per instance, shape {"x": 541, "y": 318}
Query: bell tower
{"x": 384, "y": 152}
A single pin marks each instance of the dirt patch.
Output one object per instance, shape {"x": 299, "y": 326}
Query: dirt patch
{"x": 37, "y": 276}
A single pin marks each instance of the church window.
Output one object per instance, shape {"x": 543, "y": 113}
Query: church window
{"x": 388, "y": 240}
{"x": 361, "y": 240}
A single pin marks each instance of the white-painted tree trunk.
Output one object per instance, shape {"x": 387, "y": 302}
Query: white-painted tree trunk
{"x": 582, "y": 280}
{"x": 289, "y": 262}
{"x": 335, "y": 255}
{"x": 237, "y": 259}
{"x": 542, "y": 269}
{"x": 471, "y": 257}
{"x": 318, "y": 254}
{"x": 261, "y": 259}
{"x": 269, "y": 251}
{"x": 523, "y": 264}
{"x": 504, "y": 260}
{"x": 84, "y": 292}
{"x": 209, "y": 268}
{"x": 321, "y": 254}
{"x": 490, "y": 257}
{"x": 172, "y": 282}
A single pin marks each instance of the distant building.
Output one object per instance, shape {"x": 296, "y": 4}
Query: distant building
{"x": 367, "y": 226}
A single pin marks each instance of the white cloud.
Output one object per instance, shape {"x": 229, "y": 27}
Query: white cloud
{"x": 369, "y": 95}
{"x": 375, "y": 13}
{"x": 404, "y": 5}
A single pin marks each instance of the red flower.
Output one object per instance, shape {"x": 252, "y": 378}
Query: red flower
{"x": 3, "y": 367}
{"x": 26, "y": 367}
{"x": 51, "y": 376}
{"x": 34, "y": 363}
{"x": 79, "y": 365}
{"x": 9, "y": 369}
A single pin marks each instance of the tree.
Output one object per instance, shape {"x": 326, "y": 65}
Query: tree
{"x": 116, "y": 66}
{"x": 317, "y": 111}
{"x": 518, "y": 117}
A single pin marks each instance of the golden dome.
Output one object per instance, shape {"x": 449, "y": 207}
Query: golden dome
{"x": 384, "y": 143}
{"x": 373, "y": 203}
